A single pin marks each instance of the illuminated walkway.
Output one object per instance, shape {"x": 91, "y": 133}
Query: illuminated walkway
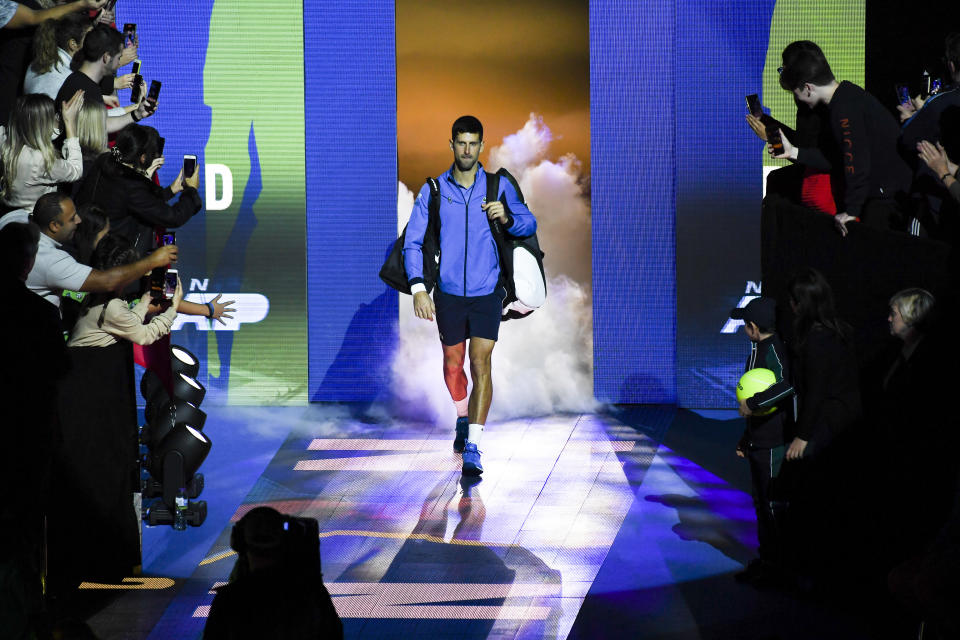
{"x": 587, "y": 526}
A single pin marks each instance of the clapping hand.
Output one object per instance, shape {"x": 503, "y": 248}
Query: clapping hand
{"x": 936, "y": 158}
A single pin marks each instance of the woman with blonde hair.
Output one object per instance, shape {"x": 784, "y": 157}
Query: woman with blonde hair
{"x": 31, "y": 165}
{"x": 92, "y": 134}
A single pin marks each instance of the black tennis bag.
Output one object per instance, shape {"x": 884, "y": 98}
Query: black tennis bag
{"x": 394, "y": 272}
{"x": 521, "y": 260}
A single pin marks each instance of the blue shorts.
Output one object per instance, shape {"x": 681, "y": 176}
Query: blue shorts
{"x": 462, "y": 317}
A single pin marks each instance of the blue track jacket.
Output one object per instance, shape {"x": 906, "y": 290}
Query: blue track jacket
{"x": 469, "y": 264}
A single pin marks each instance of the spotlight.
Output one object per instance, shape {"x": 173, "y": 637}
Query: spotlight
{"x": 189, "y": 413}
{"x": 186, "y": 388}
{"x": 166, "y": 418}
{"x": 184, "y": 362}
{"x": 175, "y": 461}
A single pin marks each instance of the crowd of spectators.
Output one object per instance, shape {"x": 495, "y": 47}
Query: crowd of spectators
{"x": 857, "y": 162}
{"x": 864, "y": 500}
{"x": 81, "y": 221}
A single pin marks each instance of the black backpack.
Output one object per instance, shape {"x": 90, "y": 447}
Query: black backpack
{"x": 393, "y": 272}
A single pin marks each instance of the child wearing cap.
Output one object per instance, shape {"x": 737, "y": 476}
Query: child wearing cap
{"x": 766, "y": 436}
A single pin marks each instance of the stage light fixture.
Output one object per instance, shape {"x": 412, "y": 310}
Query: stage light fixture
{"x": 176, "y": 459}
{"x": 168, "y": 416}
{"x": 182, "y": 361}
{"x": 187, "y": 388}
{"x": 186, "y": 411}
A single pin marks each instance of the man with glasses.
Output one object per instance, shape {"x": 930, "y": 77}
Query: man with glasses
{"x": 865, "y": 132}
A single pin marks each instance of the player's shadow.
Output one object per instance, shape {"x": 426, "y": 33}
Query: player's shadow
{"x": 426, "y": 558}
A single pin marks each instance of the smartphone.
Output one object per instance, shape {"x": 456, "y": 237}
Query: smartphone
{"x": 903, "y": 94}
{"x": 110, "y": 5}
{"x": 154, "y": 92}
{"x": 165, "y": 238}
{"x": 754, "y": 106}
{"x": 163, "y": 141}
{"x": 189, "y": 166}
{"x": 170, "y": 284}
{"x": 158, "y": 283}
{"x": 129, "y": 33}
{"x": 925, "y": 85}
{"x": 135, "y": 69}
{"x": 137, "y": 89}
{"x": 935, "y": 85}
{"x": 773, "y": 137}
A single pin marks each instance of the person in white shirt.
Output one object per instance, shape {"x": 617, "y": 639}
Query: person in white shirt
{"x": 54, "y": 45}
{"x": 55, "y": 270}
{"x": 30, "y": 161}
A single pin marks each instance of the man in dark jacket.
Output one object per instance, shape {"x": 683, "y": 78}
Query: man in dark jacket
{"x": 874, "y": 175}
{"x": 763, "y": 443}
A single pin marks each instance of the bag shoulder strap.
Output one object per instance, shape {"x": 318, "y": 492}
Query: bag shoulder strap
{"x": 434, "y": 205}
{"x": 493, "y": 186}
{"x": 513, "y": 181}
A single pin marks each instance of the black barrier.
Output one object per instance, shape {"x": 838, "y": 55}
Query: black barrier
{"x": 864, "y": 268}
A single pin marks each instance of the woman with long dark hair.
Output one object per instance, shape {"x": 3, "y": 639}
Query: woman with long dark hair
{"x": 107, "y": 317}
{"x": 120, "y": 182}
{"x": 827, "y": 382}
{"x": 95, "y": 226}
{"x": 93, "y": 528}
{"x": 827, "y": 377}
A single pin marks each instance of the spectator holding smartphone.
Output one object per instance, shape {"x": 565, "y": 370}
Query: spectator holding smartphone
{"x": 107, "y": 318}
{"x": 818, "y": 160}
{"x": 54, "y": 46}
{"x": 874, "y": 175}
{"x": 17, "y": 22}
{"x": 30, "y": 161}
{"x": 99, "y": 58}
{"x": 96, "y": 401}
{"x": 816, "y": 176}
{"x": 120, "y": 183}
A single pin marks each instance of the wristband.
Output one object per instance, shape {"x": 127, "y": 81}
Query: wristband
{"x": 136, "y": 118}
{"x": 944, "y": 177}
{"x": 210, "y": 307}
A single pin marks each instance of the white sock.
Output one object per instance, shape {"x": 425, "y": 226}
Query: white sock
{"x": 476, "y": 430}
{"x": 461, "y": 406}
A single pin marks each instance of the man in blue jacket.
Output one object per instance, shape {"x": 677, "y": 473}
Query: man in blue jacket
{"x": 469, "y": 294}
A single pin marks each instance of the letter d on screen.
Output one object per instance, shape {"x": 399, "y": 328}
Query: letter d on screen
{"x": 226, "y": 192}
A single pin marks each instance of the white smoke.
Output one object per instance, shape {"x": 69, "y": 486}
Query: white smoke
{"x": 542, "y": 364}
